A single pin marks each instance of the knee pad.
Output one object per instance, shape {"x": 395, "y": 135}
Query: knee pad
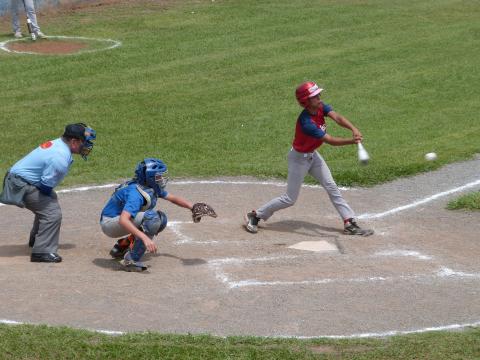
{"x": 154, "y": 222}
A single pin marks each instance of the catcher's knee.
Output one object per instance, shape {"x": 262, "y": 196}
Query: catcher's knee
{"x": 154, "y": 222}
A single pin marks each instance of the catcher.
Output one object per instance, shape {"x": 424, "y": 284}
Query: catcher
{"x": 131, "y": 213}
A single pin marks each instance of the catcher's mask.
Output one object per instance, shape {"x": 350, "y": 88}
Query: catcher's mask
{"x": 305, "y": 91}
{"x": 84, "y": 133}
{"x": 152, "y": 172}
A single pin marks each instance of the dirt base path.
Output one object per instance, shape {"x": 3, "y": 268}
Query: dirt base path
{"x": 420, "y": 270}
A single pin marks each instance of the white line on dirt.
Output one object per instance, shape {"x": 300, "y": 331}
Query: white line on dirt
{"x": 442, "y": 273}
{"x": 241, "y": 261}
{"x": 403, "y": 253}
{"x": 419, "y": 202}
{"x": 388, "y": 333}
{"x": 115, "y": 44}
{"x": 184, "y": 239}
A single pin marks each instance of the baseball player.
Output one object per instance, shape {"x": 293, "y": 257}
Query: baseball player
{"x": 15, "y": 7}
{"x": 131, "y": 213}
{"x": 30, "y": 183}
{"x": 310, "y": 134}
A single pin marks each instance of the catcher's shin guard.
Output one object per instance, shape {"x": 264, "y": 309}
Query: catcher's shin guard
{"x": 121, "y": 247}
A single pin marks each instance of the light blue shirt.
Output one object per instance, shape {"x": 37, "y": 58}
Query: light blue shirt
{"x": 47, "y": 165}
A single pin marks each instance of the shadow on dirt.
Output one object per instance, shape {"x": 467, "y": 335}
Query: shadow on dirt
{"x": 186, "y": 262}
{"x": 303, "y": 228}
{"x": 23, "y": 250}
{"x": 113, "y": 264}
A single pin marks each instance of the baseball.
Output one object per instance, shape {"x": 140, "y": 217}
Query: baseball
{"x": 431, "y": 156}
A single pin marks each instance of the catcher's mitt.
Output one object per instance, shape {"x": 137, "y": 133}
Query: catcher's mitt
{"x": 201, "y": 209}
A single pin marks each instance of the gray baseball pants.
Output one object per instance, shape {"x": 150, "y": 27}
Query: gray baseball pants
{"x": 299, "y": 164}
{"x": 47, "y": 222}
{"x": 112, "y": 228}
{"x": 16, "y": 6}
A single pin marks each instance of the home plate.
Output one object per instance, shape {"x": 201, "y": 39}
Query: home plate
{"x": 319, "y": 246}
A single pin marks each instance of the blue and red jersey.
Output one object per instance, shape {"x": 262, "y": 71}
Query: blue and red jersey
{"x": 310, "y": 129}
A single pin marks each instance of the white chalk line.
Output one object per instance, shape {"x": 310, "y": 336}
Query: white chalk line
{"x": 402, "y": 253}
{"x": 352, "y": 336}
{"x": 184, "y": 239}
{"x": 387, "y": 333}
{"x": 442, "y": 273}
{"x": 115, "y": 44}
{"x": 419, "y": 202}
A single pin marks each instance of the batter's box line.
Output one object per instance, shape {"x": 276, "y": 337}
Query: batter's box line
{"x": 185, "y": 239}
{"x": 443, "y": 273}
{"x": 419, "y": 202}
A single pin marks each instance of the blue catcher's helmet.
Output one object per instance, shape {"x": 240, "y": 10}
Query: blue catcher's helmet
{"x": 152, "y": 172}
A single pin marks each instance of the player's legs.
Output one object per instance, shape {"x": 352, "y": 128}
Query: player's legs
{"x": 49, "y": 214}
{"x": 30, "y": 7}
{"x": 152, "y": 223}
{"x": 298, "y": 166}
{"x": 112, "y": 228}
{"x": 322, "y": 174}
{"x": 15, "y": 9}
{"x": 34, "y": 231}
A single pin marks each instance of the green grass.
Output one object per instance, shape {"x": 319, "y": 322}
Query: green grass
{"x": 467, "y": 202}
{"x": 209, "y": 86}
{"x": 42, "y": 342}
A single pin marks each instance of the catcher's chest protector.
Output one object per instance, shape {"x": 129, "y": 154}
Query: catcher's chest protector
{"x": 149, "y": 196}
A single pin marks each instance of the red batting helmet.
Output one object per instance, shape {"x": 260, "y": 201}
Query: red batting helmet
{"x": 307, "y": 90}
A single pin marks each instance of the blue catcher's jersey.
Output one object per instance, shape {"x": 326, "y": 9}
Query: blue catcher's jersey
{"x": 131, "y": 197}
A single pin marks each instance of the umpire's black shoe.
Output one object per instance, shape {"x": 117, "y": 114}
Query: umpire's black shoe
{"x": 47, "y": 257}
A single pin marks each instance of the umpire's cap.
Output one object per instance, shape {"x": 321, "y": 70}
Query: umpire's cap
{"x": 76, "y": 131}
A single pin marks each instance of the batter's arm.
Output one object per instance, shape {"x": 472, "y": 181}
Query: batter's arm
{"x": 345, "y": 123}
{"x": 337, "y": 141}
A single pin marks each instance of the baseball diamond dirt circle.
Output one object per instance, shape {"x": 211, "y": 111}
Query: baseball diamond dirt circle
{"x": 58, "y": 45}
{"x": 420, "y": 270}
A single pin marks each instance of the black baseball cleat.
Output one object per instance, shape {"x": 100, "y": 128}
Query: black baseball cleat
{"x": 351, "y": 228}
{"x": 121, "y": 246}
{"x": 251, "y": 220}
{"x": 45, "y": 257}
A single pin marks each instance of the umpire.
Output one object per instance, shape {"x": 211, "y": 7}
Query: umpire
{"x": 30, "y": 182}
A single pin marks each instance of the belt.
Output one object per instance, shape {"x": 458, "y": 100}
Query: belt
{"x": 308, "y": 154}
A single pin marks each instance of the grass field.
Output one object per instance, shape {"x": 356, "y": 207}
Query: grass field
{"x": 41, "y": 342}
{"x": 208, "y": 86}
{"x": 467, "y": 202}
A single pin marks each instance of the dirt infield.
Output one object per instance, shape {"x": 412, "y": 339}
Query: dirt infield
{"x": 48, "y": 47}
{"x": 420, "y": 270}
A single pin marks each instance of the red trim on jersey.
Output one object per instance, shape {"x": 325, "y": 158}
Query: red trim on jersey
{"x": 46, "y": 145}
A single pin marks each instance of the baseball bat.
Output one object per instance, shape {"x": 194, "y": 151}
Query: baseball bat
{"x": 363, "y": 156}
{"x": 29, "y": 23}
